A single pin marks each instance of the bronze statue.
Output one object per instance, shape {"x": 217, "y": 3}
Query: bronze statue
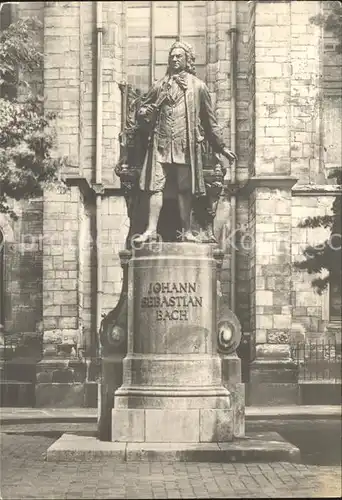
{"x": 179, "y": 114}
{"x": 171, "y": 148}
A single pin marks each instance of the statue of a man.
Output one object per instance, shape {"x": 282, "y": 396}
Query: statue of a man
{"x": 179, "y": 110}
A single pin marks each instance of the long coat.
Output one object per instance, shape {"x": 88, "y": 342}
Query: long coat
{"x": 201, "y": 124}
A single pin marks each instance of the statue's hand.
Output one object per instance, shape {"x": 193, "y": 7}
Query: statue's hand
{"x": 231, "y": 157}
{"x": 147, "y": 110}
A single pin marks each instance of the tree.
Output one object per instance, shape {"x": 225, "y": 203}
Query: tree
{"x": 332, "y": 21}
{"x": 27, "y": 134}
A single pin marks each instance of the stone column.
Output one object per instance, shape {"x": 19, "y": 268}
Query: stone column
{"x": 62, "y": 262}
{"x": 306, "y": 93}
{"x": 281, "y": 31}
{"x": 172, "y": 382}
{"x": 273, "y": 375}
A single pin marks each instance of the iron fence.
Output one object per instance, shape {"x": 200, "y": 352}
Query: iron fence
{"x": 318, "y": 360}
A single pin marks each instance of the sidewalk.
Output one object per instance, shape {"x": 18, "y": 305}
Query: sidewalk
{"x": 27, "y": 433}
{"x": 89, "y": 415}
{"x": 26, "y": 474}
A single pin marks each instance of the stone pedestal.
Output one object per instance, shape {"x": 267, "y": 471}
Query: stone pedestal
{"x": 111, "y": 380}
{"x": 172, "y": 382}
{"x": 181, "y": 398}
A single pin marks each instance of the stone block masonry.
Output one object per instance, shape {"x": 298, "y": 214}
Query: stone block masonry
{"x": 115, "y": 225}
{"x": 251, "y": 85}
{"x": 61, "y": 267}
{"x": 85, "y": 275}
{"x": 272, "y": 83}
{"x": 113, "y": 43}
{"x": 306, "y": 99}
{"x": 69, "y": 85}
{"x": 275, "y": 120}
{"x": 218, "y": 80}
{"x": 62, "y": 75}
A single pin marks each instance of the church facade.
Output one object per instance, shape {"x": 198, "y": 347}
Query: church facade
{"x": 275, "y": 81}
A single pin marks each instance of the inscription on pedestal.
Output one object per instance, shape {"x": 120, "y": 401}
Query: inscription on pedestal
{"x": 172, "y": 301}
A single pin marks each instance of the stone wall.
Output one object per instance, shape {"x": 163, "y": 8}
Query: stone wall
{"x": 114, "y": 216}
{"x": 306, "y": 99}
{"x": 218, "y": 81}
{"x": 61, "y": 210}
{"x": 245, "y": 128}
{"x": 71, "y": 80}
{"x": 137, "y": 51}
{"x": 311, "y": 311}
{"x": 332, "y": 130}
{"x": 113, "y": 46}
{"x": 61, "y": 267}
{"x": 270, "y": 204}
{"x": 251, "y": 85}
{"x": 62, "y": 74}
{"x": 87, "y": 89}
{"x": 115, "y": 225}
{"x": 332, "y": 62}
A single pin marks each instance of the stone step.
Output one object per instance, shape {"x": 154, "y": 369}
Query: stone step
{"x": 255, "y": 447}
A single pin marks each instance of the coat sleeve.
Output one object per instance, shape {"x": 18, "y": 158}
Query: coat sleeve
{"x": 209, "y": 122}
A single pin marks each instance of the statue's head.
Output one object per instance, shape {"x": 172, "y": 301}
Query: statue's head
{"x": 181, "y": 57}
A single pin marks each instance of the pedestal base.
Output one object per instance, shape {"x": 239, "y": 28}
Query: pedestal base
{"x": 256, "y": 447}
{"x": 172, "y": 426}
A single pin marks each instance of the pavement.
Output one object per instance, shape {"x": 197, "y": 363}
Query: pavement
{"x": 27, "y": 433}
{"x": 26, "y": 474}
{"x": 38, "y": 415}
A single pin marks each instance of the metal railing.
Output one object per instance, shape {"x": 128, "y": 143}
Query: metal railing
{"x": 317, "y": 360}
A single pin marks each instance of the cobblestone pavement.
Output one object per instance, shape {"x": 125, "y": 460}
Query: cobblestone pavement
{"x": 46, "y": 428}
{"x": 26, "y": 474}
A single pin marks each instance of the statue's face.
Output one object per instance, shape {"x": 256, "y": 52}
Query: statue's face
{"x": 177, "y": 60}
